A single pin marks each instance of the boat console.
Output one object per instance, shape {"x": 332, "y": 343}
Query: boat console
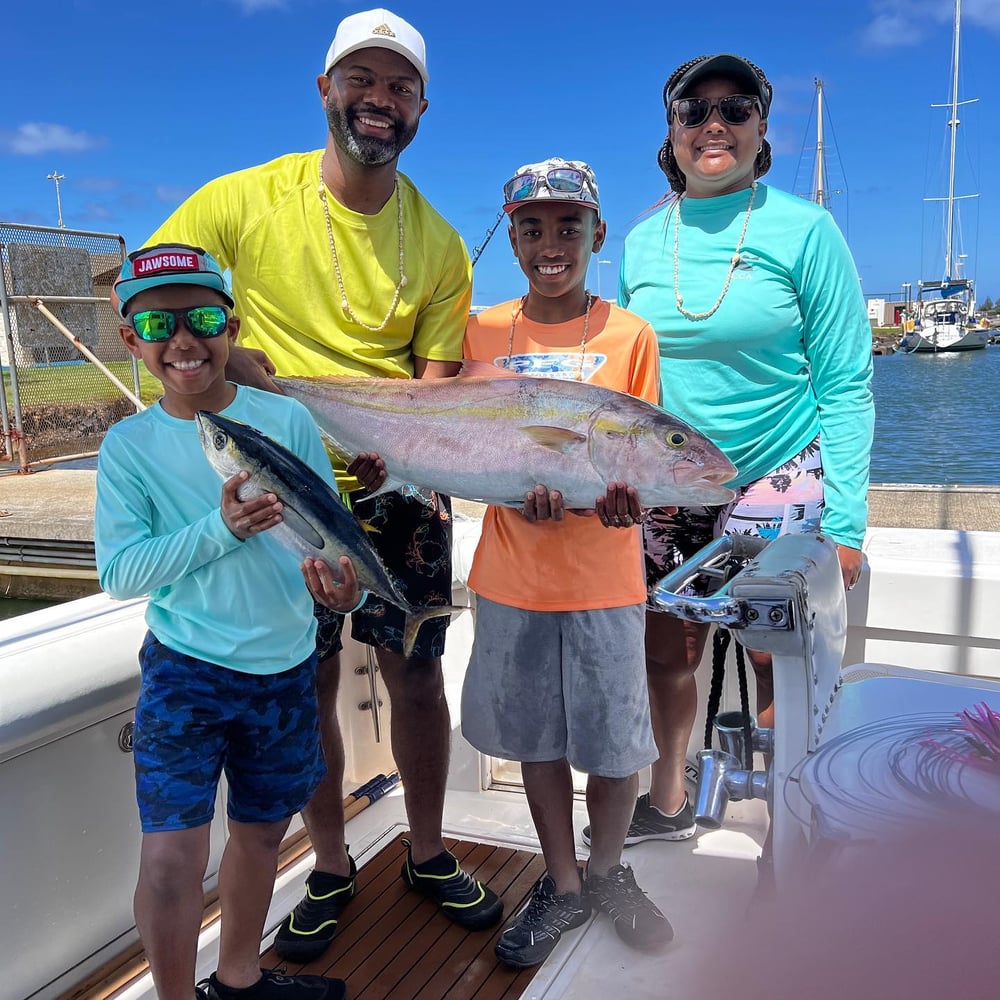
{"x": 857, "y": 752}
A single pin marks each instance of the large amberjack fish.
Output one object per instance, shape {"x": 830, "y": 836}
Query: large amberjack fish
{"x": 492, "y": 436}
{"x": 315, "y": 523}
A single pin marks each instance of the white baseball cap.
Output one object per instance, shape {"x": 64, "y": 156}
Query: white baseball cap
{"x": 378, "y": 29}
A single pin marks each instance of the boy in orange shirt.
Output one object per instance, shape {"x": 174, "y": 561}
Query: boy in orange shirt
{"x": 557, "y": 676}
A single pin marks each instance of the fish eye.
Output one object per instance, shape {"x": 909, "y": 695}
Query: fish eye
{"x": 677, "y": 439}
{"x": 219, "y": 440}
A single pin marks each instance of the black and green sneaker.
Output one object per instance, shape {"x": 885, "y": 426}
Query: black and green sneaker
{"x": 460, "y": 897}
{"x": 308, "y": 930}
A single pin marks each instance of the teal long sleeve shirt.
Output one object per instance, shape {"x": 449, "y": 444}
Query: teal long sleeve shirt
{"x": 788, "y": 354}
{"x": 159, "y": 531}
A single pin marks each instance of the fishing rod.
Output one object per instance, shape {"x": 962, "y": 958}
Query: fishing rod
{"x": 477, "y": 252}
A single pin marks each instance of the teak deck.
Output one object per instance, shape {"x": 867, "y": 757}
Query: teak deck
{"x": 392, "y": 942}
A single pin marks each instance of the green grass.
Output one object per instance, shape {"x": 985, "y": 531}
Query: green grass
{"x": 80, "y": 383}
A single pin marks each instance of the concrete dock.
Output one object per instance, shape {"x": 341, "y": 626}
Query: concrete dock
{"x": 46, "y": 524}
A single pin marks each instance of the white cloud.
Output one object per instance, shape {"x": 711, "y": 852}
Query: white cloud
{"x": 250, "y": 7}
{"x": 897, "y": 23}
{"x": 96, "y": 185}
{"x": 985, "y": 13}
{"x": 171, "y": 194}
{"x": 95, "y": 211}
{"x": 33, "y": 138}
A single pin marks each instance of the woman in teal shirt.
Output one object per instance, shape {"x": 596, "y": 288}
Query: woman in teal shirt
{"x": 765, "y": 347}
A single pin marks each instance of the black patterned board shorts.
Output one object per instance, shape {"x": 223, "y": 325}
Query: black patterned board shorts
{"x": 786, "y": 501}
{"x": 195, "y": 719}
{"x": 414, "y": 541}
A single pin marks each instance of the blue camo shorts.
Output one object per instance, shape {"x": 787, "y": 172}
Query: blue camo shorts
{"x": 414, "y": 542}
{"x": 195, "y": 719}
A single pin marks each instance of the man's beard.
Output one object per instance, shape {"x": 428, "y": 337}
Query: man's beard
{"x": 371, "y": 151}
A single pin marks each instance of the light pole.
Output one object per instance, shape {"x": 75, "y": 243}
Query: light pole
{"x": 599, "y": 263}
{"x": 57, "y": 177}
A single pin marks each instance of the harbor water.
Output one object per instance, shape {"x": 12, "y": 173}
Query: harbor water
{"x": 937, "y": 418}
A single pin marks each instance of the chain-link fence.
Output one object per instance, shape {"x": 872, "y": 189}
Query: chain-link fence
{"x": 66, "y": 373}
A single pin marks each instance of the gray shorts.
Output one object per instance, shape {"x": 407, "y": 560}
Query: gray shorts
{"x": 544, "y": 685}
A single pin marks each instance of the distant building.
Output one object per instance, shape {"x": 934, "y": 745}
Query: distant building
{"x": 883, "y": 313}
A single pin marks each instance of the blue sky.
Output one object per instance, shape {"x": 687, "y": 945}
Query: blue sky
{"x": 138, "y": 104}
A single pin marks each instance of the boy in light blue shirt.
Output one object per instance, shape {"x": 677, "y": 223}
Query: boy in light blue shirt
{"x": 228, "y": 664}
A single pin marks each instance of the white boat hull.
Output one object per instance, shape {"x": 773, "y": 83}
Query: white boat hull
{"x": 945, "y": 337}
{"x": 70, "y": 848}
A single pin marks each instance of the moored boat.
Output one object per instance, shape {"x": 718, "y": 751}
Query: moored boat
{"x": 945, "y": 318}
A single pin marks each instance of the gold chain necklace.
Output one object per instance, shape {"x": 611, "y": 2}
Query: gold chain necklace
{"x": 519, "y": 308}
{"x": 733, "y": 264}
{"x": 400, "y": 285}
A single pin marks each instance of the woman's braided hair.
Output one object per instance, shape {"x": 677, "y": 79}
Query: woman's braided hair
{"x": 665, "y": 156}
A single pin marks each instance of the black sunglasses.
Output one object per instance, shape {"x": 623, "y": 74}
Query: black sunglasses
{"x": 691, "y": 112}
{"x": 154, "y": 325}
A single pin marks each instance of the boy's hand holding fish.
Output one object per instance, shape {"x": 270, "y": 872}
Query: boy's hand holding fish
{"x": 618, "y": 508}
{"x": 255, "y": 515}
{"x": 246, "y": 518}
{"x": 342, "y": 596}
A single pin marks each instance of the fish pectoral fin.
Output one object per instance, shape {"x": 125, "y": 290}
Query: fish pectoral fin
{"x": 300, "y": 524}
{"x": 389, "y": 485}
{"x": 557, "y": 438}
{"x": 420, "y": 493}
{"x": 337, "y": 450}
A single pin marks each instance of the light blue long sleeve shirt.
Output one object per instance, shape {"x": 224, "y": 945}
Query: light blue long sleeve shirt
{"x": 159, "y": 531}
{"x": 788, "y": 353}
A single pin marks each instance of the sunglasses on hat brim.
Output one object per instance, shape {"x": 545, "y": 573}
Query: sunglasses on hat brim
{"x": 559, "y": 180}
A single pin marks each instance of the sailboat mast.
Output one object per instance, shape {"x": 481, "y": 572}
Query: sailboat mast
{"x": 953, "y": 124}
{"x": 819, "y": 195}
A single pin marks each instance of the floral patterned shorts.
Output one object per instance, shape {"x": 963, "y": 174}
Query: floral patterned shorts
{"x": 786, "y": 501}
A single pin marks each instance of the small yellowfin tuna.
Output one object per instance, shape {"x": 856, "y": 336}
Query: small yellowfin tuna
{"x": 315, "y": 523}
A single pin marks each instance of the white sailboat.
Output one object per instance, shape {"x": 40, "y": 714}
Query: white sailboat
{"x": 945, "y": 315}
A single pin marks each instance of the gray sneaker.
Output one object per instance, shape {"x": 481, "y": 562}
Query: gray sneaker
{"x": 540, "y": 923}
{"x": 638, "y": 921}
{"x": 648, "y": 823}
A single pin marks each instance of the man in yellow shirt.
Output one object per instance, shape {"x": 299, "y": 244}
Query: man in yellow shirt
{"x": 340, "y": 266}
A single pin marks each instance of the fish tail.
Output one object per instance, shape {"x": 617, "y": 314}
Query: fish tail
{"x": 415, "y": 620}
